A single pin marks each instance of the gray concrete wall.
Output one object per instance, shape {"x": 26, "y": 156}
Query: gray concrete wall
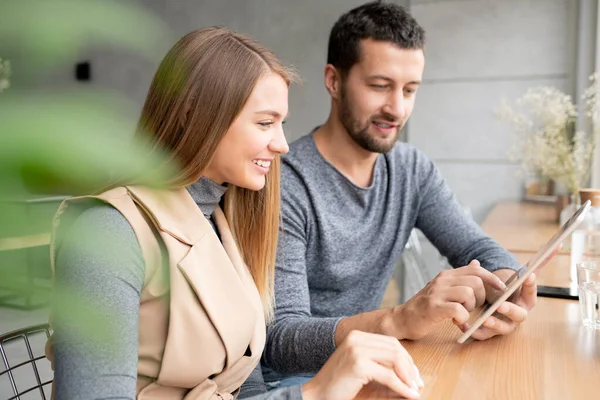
{"x": 297, "y": 31}
{"x": 479, "y": 51}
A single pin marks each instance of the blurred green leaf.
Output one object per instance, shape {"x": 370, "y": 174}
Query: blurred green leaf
{"x": 77, "y": 141}
{"x": 68, "y": 143}
{"x": 49, "y": 32}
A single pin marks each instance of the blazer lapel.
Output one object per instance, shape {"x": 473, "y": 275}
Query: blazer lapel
{"x": 213, "y": 270}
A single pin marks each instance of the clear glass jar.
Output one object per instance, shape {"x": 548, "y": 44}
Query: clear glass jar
{"x": 585, "y": 240}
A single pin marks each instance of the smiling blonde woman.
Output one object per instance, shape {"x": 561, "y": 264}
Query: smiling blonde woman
{"x": 185, "y": 274}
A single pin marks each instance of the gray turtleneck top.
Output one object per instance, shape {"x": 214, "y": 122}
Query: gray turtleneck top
{"x": 100, "y": 258}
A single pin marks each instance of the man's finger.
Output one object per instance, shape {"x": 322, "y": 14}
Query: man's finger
{"x": 528, "y": 296}
{"x": 500, "y": 326}
{"x": 486, "y": 276}
{"x": 464, "y": 295}
{"x": 530, "y": 280}
{"x": 473, "y": 282}
{"x": 456, "y": 311}
{"x": 512, "y": 311}
{"x": 483, "y": 333}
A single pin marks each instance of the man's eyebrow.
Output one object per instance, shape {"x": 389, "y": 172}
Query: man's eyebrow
{"x": 386, "y": 78}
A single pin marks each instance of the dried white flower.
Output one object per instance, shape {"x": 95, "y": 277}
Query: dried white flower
{"x": 544, "y": 121}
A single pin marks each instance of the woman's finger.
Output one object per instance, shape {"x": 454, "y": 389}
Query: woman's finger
{"x": 385, "y": 376}
{"x": 393, "y": 360}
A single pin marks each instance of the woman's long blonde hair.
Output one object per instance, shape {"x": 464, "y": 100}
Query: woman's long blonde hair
{"x": 199, "y": 89}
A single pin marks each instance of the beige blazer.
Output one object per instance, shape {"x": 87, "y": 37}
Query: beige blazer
{"x": 201, "y": 328}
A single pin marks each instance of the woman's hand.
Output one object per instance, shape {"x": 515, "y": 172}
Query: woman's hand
{"x": 363, "y": 358}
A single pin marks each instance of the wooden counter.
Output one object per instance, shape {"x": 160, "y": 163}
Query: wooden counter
{"x": 521, "y": 227}
{"x": 550, "y": 356}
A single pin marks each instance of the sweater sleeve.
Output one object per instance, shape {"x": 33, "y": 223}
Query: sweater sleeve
{"x": 99, "y": 277}
{"x": 255, "y": 389}
{"x": 297, "y": 341}
{"x": 445, "y": 223}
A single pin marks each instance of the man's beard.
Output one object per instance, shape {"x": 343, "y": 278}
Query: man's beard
{"x": 360, "y": 133}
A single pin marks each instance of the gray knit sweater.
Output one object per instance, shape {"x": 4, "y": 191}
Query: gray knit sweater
{"x": 100, "y": 258}
{"x": 340, "y": 243}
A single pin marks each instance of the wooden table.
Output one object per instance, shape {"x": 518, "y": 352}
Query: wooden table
{"x": 550, "y": 356}
{"x": 521, "y": 227}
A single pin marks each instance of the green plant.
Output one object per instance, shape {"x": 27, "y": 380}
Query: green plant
{"x": 71, "y": 142}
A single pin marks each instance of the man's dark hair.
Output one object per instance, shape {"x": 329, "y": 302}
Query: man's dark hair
{"x": 375, "y": 20}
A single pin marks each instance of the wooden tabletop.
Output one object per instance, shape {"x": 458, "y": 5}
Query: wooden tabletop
{"x": 550, "y": 356}
{"x": 555, "y": 273}
{"x": 521, "y": 227}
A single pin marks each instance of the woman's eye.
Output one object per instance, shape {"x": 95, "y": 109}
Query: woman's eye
{"x": 266, "y": 124}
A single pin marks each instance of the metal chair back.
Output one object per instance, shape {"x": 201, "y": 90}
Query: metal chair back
{"x": 24, "y": 335}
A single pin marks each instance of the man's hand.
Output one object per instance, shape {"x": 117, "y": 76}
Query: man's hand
{"x": 451, "y": 294}
{"x": 510, "y": 313}
{"x": 513, "y": 311}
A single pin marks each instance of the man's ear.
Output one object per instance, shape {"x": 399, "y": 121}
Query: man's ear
{"x": 333, "y": 81}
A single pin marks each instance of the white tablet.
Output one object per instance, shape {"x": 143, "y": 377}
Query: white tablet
{"x": 517, "y": 279}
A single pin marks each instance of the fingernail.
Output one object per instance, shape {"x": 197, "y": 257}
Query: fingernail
{"x": 415, "y": 386}
{"x": 500, "y": 285}
{"x": 419, "y": 380}
{"x": 414, "y": 394}
{"x": 490, "y": 322}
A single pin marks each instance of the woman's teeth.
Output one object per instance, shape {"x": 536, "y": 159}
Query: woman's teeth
{"x": 265, "y": 164}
